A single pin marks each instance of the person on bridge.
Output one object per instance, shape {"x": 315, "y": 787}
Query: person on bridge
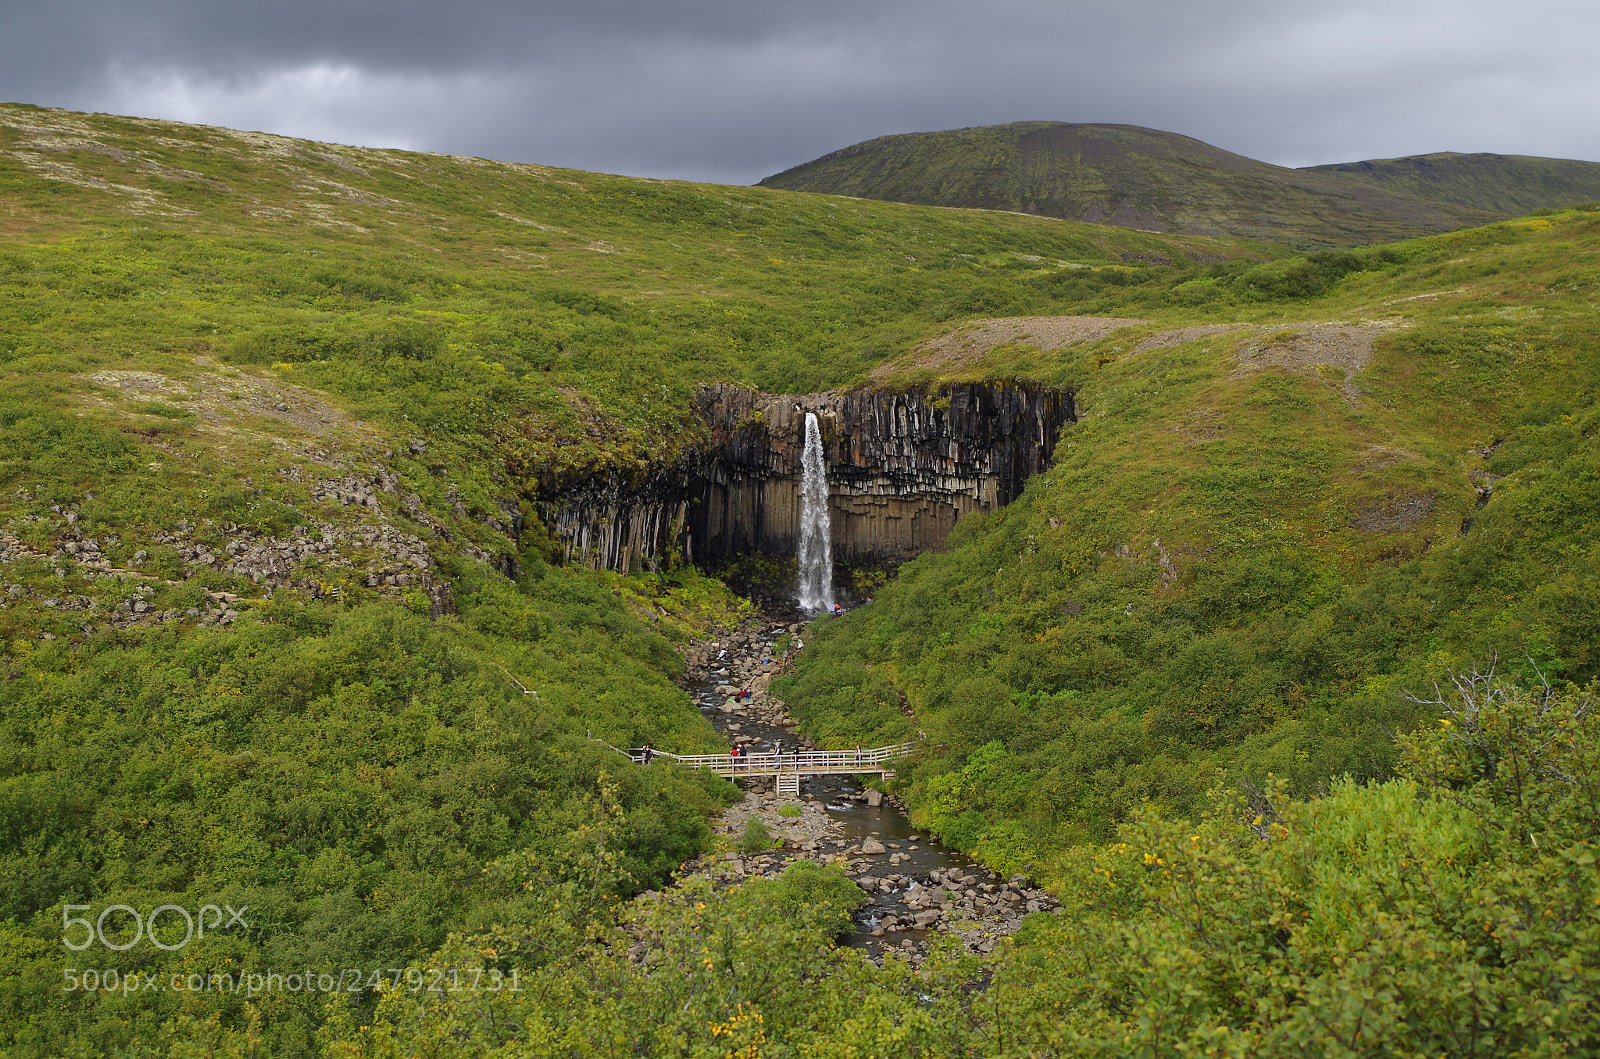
{"x": 777, "y": 753}
{"x": 733, "y": 757}
{"x": 649, "y": 752}
{"x": 858, "y": 755}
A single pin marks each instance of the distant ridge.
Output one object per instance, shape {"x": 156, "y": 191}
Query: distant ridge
{"x": 1135, "y": 177}
{"x": 1506, "y": 185}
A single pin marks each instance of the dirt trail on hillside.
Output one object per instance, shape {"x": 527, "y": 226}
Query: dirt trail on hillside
{"x": 973, "y": 340}
{"x": 1332, "y": 351}
{"x": 1184, "y": 335}
{"x": 1309, "y": 348}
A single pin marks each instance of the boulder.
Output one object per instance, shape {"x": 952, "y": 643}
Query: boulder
{"x": 872, "y": 845}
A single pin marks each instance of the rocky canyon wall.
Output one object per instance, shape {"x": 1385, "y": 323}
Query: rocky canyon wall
{"x": 902, "y": 469}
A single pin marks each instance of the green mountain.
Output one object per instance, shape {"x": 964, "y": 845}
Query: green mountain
{"x": 280, "y": 628}
{"x": 1159, "y": 181}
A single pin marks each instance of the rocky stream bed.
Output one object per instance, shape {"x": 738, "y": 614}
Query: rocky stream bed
{"x": 915, "y": 886}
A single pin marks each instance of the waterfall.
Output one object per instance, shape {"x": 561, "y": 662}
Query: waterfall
{"x": 816, "y": 549}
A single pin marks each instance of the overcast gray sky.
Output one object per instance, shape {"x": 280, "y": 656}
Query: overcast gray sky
{"x": 733, "y": 90}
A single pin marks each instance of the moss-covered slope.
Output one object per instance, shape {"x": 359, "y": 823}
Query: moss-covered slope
{"x": 1502, "y": 184}
{"x": 277, "y": 628}
{"x": 1262, "y": 532}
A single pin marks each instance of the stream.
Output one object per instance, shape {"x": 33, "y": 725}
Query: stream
{"x": 916, "y": 886}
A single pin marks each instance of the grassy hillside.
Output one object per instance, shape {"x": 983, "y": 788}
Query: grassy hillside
{"x": 1262, "y": 532}
{"x": 1160, "y": 181}
{"x": 217, "y": 340}
{"x": 277, "y": 628}
{"x": 327, "y": 264}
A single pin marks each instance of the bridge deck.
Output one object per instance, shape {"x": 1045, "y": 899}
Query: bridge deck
{"x": 804, "y": 763}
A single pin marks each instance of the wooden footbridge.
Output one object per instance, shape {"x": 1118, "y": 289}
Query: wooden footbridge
{"x": 790, "y": 767}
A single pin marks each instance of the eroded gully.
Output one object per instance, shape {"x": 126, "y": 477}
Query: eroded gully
{"x": 915, "y": 886}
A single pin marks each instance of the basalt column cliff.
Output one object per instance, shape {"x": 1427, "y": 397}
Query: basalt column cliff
{"x": 902, "y": 468}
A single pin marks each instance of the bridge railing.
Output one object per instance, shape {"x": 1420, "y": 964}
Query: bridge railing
{"x": 808, "y": 761}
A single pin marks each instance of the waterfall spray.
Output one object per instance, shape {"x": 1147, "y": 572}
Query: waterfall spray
{"x": 816, "y": 550}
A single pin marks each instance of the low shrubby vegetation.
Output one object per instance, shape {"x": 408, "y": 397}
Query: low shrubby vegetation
{"x": 364, "y": 780}
{"x": 1448, "y": 910}
{"x": 1170, "y": 681}
{"x": 1230, "y": 572}
{"x": 1451, "y": 910}
{"x": 755, "y": 837}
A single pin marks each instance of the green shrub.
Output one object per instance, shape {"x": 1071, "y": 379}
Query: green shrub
{"x": 807, "y": 892}
{"x": 1297, "y": 278}
{"x": 1197, "y": 292}
{"x": 365, "y": 779}
{"x": 756, "y": 836}
{"x": 1404, "y": 913}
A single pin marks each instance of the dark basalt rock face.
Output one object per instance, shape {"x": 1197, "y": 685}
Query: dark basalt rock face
{"x": 902, "y": 469}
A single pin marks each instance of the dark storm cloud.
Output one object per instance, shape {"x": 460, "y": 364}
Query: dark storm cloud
{"x": 733, "y": 90}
